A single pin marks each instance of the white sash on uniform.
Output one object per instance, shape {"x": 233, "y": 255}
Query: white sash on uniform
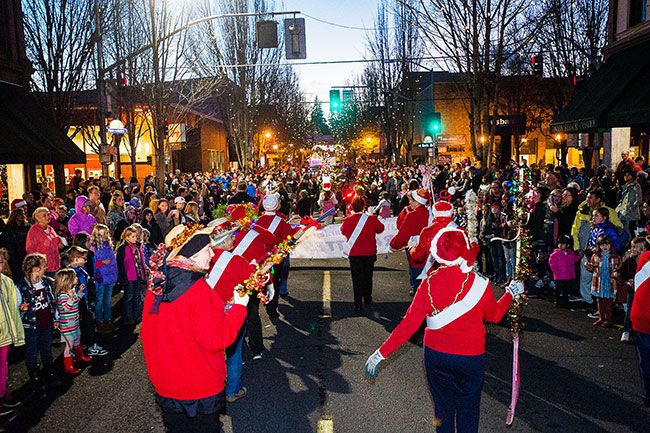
{"x": 456, "y": 310}
{"x": 355, "y": 234}
{"x": 641, "y": 276}
{"x": 218, "y": 268}
{"x": 245, "y": 243}
{"x": 275, "y": 222}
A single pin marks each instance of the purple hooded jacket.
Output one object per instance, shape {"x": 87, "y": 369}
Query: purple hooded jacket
{"x": 81, "y": 222}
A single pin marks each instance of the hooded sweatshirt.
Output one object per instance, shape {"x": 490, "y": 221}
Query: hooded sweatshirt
{"x": 81, "y": 222}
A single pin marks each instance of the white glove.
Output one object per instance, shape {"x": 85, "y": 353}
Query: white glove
{"x": 515, "y": 288}
{"x": 238, "y": 299}
{"x": 270, "y": 291}
{"x": 373, "y": 363}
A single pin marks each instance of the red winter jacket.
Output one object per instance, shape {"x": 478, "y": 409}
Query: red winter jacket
{"x": 282, "y": 231}
{"x": 366, "y": 243}
{"x": 184, "y": 343}
{"x": 463, "y": 336}
{"x": 412, "y": 225}
{"x": 640, "y": 313}
{"x": 254, "y": 244}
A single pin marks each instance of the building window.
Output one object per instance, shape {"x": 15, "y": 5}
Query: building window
{"x": 216, "y": 159}
{"x": 637, "y": 12}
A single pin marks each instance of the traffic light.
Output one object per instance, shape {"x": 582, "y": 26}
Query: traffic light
{"x": 538, "y": 64}
{"x": 335, "y": 100}
{"x": 433, "y": 124}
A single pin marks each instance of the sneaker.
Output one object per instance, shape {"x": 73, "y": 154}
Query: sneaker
{"x": 539, "y": 284}
{"x": 96, "y": 350}
{"x": 625, "y": 337}
{"x": 257, "y": 356}
{"x": 240, "y": 394}
{"x": 412, "y": 292}
{"x": 594, "y": 315}
{"x": 10, "y": 402}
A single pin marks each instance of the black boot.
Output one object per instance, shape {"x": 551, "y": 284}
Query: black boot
{"x": 50, "y": 376}
{"x": 35, "y": 376}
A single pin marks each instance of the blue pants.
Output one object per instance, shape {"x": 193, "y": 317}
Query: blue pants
{"x": 643, "y": 354}
{"x": 510, "y": 255}
{"x": 132, "y": 303}
{"x": 285, "y": 276}
{"x": 234, "y": 364}
{"x": 627, "y": 322}
{"x": 455, "y": 382}
{"x": 38, "y": 341}
{"x": 414, "y": 273}
{"x": 103, "y": 303}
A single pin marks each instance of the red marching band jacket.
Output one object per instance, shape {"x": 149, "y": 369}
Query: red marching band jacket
{"x": 276, "y": 224}
{"x": 463, "y": 336}
{"x": 412, "y": 224}
{"x": 366, "y": 243}
{"x": 254, "y": 244}
{"x": 640, "y": 312}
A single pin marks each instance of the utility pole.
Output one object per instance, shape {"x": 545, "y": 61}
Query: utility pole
{"x": 104, "y": 154}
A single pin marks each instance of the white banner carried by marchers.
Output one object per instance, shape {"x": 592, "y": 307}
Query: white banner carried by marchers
{"x": 329, "y": 243}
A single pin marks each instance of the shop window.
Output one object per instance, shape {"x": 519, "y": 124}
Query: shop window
{"x": 637, "y": 12}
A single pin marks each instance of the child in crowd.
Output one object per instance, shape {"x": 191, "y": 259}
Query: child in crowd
{"x": 67, "y": 288}
{"x": 132, "y": 274}
{"x": 105, "y": 267}
{"x": 383, "y": 209}
{"x": 626, "y": 279}
{"x": 604, "y": 264}
{"x": 37, "y": 311}
{"x": 563, "y": 265}
{"x": 77, "y": 258}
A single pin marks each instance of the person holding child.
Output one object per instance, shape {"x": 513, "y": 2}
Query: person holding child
{"x": 66, "y": 286}
{"x": 604, "y": 264}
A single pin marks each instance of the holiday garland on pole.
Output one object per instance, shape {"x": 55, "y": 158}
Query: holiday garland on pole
{"x": 521, "y": 192}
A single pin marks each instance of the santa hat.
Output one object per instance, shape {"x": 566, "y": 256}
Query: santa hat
{"x": 443, "y": 209}
{"x": 271, "y": 201}
{"x": 18, "y": 203}
{"x": 421, "y": 195}
{"x": 451, "y": 247}
{"x": 446, "y": 195}
{"x": 327, "y": 183}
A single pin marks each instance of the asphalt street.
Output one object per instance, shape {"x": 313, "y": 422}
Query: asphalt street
{"x": 575, "y": 377}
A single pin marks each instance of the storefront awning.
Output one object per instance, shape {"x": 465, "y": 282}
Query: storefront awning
{"x": 632, "y": 107}
{"x": 619, "y": 76}
{"x": 28, "y": 134}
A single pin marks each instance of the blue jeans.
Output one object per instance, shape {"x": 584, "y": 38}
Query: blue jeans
{"x": 234, "y": 364}
{"x": 585, "y": 282}
{"x": 285, "y": 276}
{"x": 455, "y": 382}
{"x": 414, "y": 273}
{"x": 643, "y": 355}
{"x": 511, "y": 257}
{"x": 627, "y": 323}
{"x": 38, "y": 341}
{"x": 103, "y": 303}
{"x": 132, "y": 303}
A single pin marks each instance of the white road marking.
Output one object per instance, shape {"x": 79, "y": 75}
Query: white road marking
{"x": 325, "y": 424}
{"x": 327, "y": 295}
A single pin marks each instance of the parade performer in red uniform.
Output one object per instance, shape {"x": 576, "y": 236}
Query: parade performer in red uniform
{"x": 274, "y": 222}
{"x": 454, "y": 300}
{"x": 361, "y": 230}
{"x": 411, "y": 226}
{"x": 640, "y": 316}
{"x": 185, "y": 330}
{"x": 442, "y": 217}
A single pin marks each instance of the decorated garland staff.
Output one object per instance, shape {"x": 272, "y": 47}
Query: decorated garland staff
{"x": 521, "y": 189}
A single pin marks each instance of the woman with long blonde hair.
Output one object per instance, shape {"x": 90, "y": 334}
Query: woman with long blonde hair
{"x": 192, "y": 212}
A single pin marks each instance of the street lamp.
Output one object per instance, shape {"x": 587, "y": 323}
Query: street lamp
{"x": 116, "y": 127}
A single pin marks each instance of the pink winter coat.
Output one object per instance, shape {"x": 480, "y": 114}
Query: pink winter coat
{"x": 563, "y": 264}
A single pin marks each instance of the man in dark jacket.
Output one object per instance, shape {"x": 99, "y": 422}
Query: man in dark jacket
{"x": 241, "y": 196}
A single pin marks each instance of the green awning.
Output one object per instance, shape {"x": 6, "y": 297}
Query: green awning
{"x": 632, "y": 107}
{"x": 618, "y": 76}
{"x": 28, "y": 134}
